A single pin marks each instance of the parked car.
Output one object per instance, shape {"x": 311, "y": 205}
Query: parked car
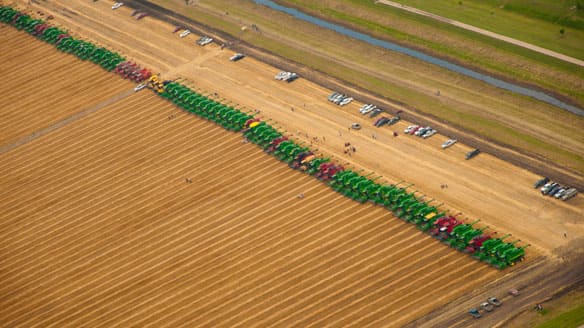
{"x": 381, "y": 121}
{"x": 546, "y": 187}
{"x": 356, "y": 126}
{"x": 368, "y": 109}
{"x": 448, "y": 143}
{"x": 204, "y": 40}
{"x": 346, "y": 101}
{"x": 421, "y": 131}
{"x": 184, "y": 33}
{"x": 393, "y": 120}
{"x": 554, "y": 190}
{"x": 493, "y": 300}
{"x": 560, "y": 193}
{"x": 472, "y": 153}
{"x": 375, "y": 112}
{"x": 569, "y": 194}
{"x": 410, "y": 128}
{"x": 475, "y": 313}
{"x": 117, "y": 5}
{"x": 139, "y": 87}
{"x": 414, "y": 130}
{"x": 487, "y": 306}
{"x": 430, "y": 133}
{"x": 541, "y": 182}
{"x": 236, "y": 57}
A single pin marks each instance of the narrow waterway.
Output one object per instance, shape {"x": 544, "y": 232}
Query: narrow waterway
{"x": 425, "y": 57}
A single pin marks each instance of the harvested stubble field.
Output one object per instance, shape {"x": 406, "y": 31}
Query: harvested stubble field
{"x": 56, "y": 79}
{"x": 499, "y": 193}
{"x": 100, "y": 228}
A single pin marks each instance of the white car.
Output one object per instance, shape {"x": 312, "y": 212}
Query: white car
{"x": 117, "y": 5}
{"x": 332, "y": 96}
{"x": 184, "y": 33}
{"x": 429, "y": 133}
{"x": 448, "y": 143}
{"x": 139, "y": 87}
{"x": 421, "y": 131}
{"x": 356, "y": 126}
{"x": 204, "y": 40}
{"x": 346, "y": 101}
{"x": 236, "y": 57}
{"x": 280, "y": 76}
{"x": 368, "y": 109}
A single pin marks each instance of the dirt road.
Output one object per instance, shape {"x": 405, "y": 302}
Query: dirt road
{"x": 493, "y": 35}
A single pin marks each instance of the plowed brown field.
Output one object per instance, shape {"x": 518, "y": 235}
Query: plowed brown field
{"x": 100, "y": 228}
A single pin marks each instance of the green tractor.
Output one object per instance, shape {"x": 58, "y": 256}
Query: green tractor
{"x": 484, "y": 253}
{"x": 342, "y": 178}
{"x": 403, "y": 201}
{"x": 22, "y": 21}
{"x": 30, "y": 26}
{"x": 419, "y": 216}
{"x": 512, "y": 256}
{"x": 428, "y": 220}
{"x": 7, "y": 14}
{"x": 314, "y": 166}
{"x": 463, "y": 240}
{"x": 458, "y": 232}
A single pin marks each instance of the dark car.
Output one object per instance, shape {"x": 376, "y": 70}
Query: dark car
{"x": 541, "y": 182}
{"x": 554, "y": 190}
{"x": 472, "y": 153}
{"x": 381, "y": 121}
{"x": 475, "y": 313}
{"x": 393, "y": 120}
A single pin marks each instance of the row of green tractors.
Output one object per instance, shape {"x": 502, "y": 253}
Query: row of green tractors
{"x": 362, "y": 188}
{"x": 84, "y": 50}
{"x": 408, "y": 206}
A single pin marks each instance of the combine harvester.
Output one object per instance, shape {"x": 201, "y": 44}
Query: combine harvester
{"x": 361, "y": 188}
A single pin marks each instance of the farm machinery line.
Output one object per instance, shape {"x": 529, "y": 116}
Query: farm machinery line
{"x": 84, "y": 50}
{"x": 405, "y": 204}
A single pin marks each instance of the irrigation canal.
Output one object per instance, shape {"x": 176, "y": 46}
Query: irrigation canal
{"x": 425, "y": 57}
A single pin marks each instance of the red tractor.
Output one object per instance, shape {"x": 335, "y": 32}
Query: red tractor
{"x": 40, "y": 29}
{"x": 274, "y": 144}
{"x": 476, "y": 243}
{"x": 143, "y": 75}
{"x": 443, "y": 226}
{"x": 328, "y": 170}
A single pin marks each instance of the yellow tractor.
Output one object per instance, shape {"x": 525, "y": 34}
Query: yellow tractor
{"x": 156, "y": 84}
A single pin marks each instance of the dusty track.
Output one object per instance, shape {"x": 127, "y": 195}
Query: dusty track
{"x": 99, "y": 228}
{"x": 475, "y": 29}
{"x": 528, "y": 160}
